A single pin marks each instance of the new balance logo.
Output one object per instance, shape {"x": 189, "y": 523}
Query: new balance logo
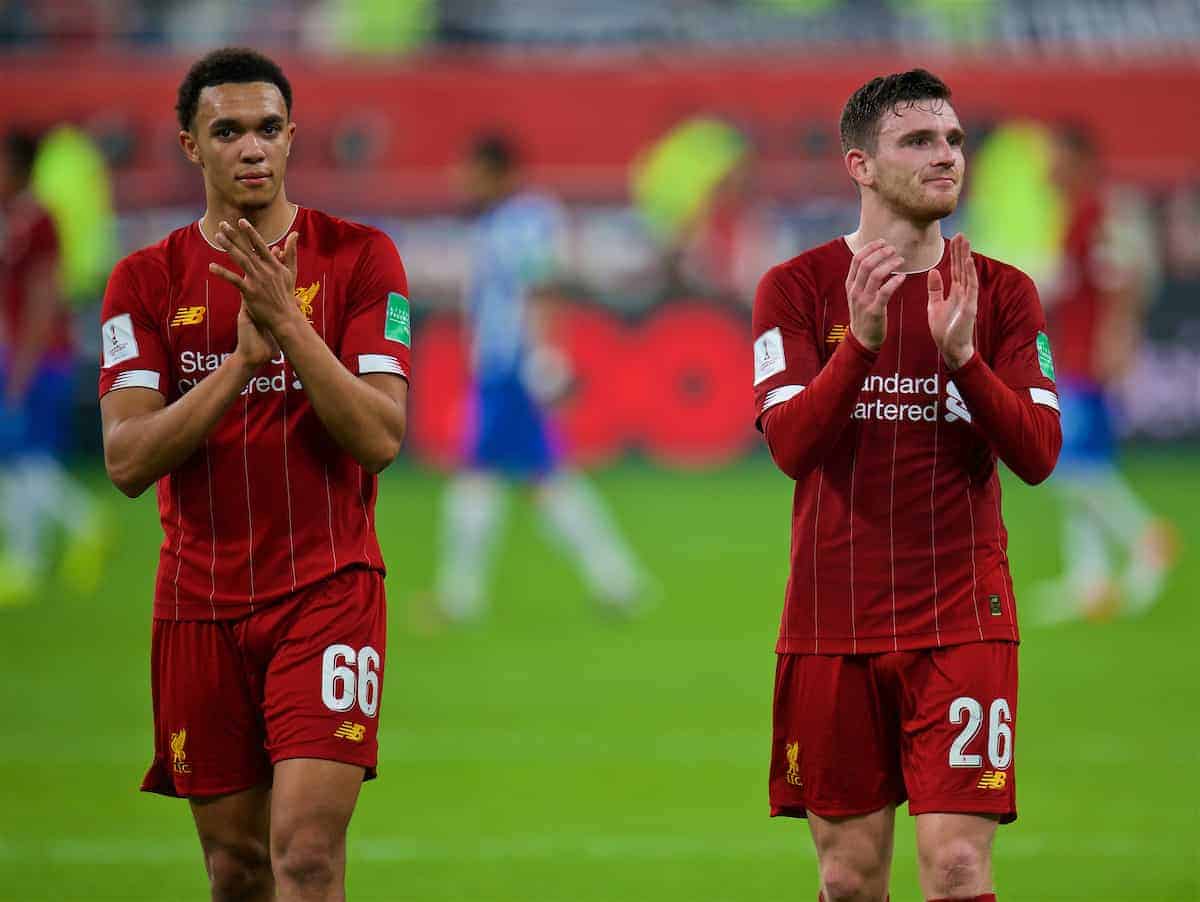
{"x": 188, "y": 316}
{"x": 992, "y": 779}
{"x": 836, "y": 334}
{"x": 355, "y": 732}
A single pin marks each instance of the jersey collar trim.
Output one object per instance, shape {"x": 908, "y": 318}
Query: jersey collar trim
{"x": 275, "y": 240}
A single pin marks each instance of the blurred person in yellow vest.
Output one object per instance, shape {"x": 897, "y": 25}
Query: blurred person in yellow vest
{"x": 36, "y": 390}
{"x": 694, "y": 189}
{"x": 71, "y": 180}
{"x": 1014, "y": 210}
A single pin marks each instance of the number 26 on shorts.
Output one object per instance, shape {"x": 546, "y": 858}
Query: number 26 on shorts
{"x": 349, "y": 676}
{"x": 999, "y": 740}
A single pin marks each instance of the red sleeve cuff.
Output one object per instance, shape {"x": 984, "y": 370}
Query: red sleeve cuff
{"x": 969, "y": 367}
{"x": 859, "y": 348}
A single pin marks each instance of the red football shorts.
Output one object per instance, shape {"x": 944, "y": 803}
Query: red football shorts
{"x": 301, "y": 678}
{"x": 935, "y": 726}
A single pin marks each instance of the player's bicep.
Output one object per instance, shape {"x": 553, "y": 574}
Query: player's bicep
{"x": 119, "y": 407}
{"x": 395, "y": 387}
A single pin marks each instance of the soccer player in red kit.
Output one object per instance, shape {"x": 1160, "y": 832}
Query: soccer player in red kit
{"x": 892, "y": 369}
{"x": 255, "y": 367}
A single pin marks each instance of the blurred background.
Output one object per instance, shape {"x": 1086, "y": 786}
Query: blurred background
{"x": 547, "y": 749}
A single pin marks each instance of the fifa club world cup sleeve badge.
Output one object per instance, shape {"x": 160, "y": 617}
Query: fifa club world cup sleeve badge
{"x": 1045, "y": 358}
{"x": 397, "y": 326}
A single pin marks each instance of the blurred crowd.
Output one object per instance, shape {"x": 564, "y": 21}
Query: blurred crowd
{"x": 400, "y": 26}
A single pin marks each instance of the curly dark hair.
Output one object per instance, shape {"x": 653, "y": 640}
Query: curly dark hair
{"x": 238, "y": 65}
{"x": 866, "y": 107}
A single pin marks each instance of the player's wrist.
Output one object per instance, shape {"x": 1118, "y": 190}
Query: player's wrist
{"x": 956, "y": 358}
{"x": 868, "y": 339}
{"x": 289, "y": 328}
{"x": 247, "y": 364}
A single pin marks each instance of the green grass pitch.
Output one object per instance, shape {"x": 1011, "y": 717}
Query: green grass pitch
{"x": 551, "y": 755}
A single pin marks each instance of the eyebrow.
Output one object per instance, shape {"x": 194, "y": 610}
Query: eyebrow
{"x": 955, "y": 132}
{"x": 230, "y": 122}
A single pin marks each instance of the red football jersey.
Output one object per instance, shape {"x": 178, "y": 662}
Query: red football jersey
{"x": 28, "y": 240}
{"x": 897, "y": 538}
{"x": 270, "y": 503}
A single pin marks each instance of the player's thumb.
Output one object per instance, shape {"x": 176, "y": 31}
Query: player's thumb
{"x": 935, "y": 285}
{"x": 289, "y": 250}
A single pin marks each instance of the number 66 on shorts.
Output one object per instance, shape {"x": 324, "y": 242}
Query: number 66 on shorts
{"x": 342, "y": 684}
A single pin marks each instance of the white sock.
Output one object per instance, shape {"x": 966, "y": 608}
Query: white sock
{"x": 577, "y": 517}
{"x": 1115, "y": 505}
{"x": 57, "y": 496}
{"x": 22, "y": 520}
{"x": 471, "y": 510}
{"x": 1089, "y": 563}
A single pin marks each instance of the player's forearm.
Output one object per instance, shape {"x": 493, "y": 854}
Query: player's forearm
{"x": 140, "y": 450}
{"x": 1024, "y": 434}
{"x": 368, "y": 424}
{"x": 804, "y": 429}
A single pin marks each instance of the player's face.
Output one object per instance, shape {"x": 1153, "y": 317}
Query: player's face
{"x": 918, "y": 163}
{"x": 241, "y": 137}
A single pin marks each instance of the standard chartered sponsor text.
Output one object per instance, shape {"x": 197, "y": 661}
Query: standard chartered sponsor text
{"x": 895, "y": 410}
{"x": 195, "y": 365}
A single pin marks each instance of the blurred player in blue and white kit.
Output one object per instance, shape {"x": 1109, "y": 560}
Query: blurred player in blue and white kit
{"x": 516, "y": 255}
{"x": 36, "y": 391}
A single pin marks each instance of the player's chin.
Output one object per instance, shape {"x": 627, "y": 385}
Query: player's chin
{"x": 253, "y": 200}
{"x": 939, "y": 207}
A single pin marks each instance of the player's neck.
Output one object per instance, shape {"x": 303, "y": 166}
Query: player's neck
{"x": 920, "y": 244}
{"x": 272, "y": 221}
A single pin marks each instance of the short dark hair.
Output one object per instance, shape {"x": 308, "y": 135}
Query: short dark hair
{"x": 866, "y": 107}
{"x": 238, "y": 65}
{"x": 20, "y": 150}
{"x": 496, "y": 151}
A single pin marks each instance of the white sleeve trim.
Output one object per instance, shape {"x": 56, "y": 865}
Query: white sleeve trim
{"x": 380, "y": 363}
{"x": 137, "y": 379}
{"x": 779, "y": 395}
{"x": 1047, "y": 398}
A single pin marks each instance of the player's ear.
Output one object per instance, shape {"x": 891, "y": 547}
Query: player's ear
{"x": 860, "y": 167}
{"x": 191, "y": 149}
{"x": 291, "y": 136}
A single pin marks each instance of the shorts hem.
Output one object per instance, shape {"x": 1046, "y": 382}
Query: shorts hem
{"x": 169, "y": 791}
{"x": 1006, "y": 813}
{"x": 801, "y": 811}
{"x": 369, "y": 764}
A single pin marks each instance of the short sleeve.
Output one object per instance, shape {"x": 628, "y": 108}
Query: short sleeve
{"x": 785, "y": 349}
{"x": 528, "y": 241}
{"x": 1023, "y": 358}
{"x": 132, "y": 352}
{"x": 543, "y": 256}
{"x": 378, "y": 333}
